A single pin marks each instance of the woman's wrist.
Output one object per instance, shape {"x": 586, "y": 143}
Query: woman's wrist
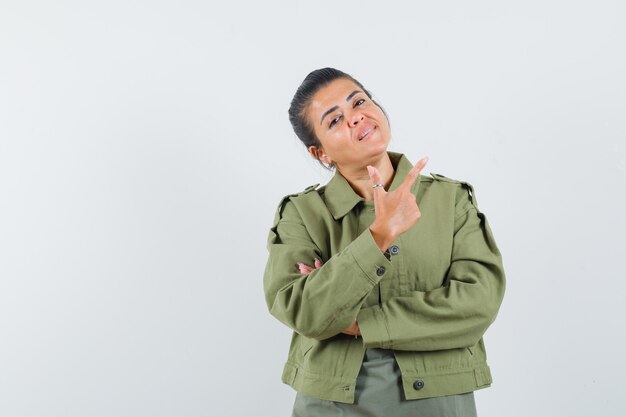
{"x": 382, "y": 238}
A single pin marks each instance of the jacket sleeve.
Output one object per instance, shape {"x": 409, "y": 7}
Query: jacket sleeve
{"x": 326, "y": 301}
{"x": 457, "y": 314}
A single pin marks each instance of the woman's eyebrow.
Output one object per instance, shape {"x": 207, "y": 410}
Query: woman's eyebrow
{"x": 332, "y": 109}
{"x": 352, "y": 94}
{"x": 327, "y": 112}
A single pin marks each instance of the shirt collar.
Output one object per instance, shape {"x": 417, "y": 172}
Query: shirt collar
{"x": 341, "y": 198}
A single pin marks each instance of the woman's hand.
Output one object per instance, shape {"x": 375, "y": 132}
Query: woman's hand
{"x": 305, "y": 269}
{"x": 353, "y": 330}
{"x": 396, "y": 211}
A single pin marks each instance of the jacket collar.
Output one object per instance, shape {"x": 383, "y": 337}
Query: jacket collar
{"x": 341, "y": 198}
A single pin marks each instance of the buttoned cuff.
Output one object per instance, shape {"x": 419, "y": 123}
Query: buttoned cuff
{"x": 373, "y": 327}
{"x": 369, "y": 257}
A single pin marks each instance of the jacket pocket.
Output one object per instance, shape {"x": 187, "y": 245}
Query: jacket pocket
{"x": 306, "y": 344}
{"x": 478, "y": 352}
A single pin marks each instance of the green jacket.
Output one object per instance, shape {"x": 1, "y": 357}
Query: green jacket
{"x": 430, "y": 297}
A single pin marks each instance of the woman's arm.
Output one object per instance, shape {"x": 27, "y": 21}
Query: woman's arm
{"x": 326, "y": 301}
{"x": 455, "y": 315}
{"x": 305, "y": 269}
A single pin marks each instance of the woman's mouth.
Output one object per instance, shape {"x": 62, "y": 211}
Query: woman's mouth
{"x": 365, "y": 133}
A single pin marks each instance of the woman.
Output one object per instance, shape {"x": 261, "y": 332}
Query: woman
{"x": 388, "y": 278}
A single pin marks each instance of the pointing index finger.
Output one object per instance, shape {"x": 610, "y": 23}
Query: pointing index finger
{"x": 414, "y": 173}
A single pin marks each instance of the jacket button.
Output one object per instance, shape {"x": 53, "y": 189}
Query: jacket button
{"x": 418, "y": 385}
{"x": 380, "y": 271}
{"x": 394, "y": 250}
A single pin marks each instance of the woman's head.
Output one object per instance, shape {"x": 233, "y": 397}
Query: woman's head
{"x": 337, "y": 120}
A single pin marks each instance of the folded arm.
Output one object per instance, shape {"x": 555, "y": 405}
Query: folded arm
{"x": 326, "y": 301}
{"x": 454, "y": 315}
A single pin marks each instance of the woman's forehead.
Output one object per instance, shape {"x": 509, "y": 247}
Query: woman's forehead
{"x": 333, "y": 94}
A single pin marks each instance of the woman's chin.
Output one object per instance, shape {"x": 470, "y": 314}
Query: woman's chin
{"x": 378, "y": 147}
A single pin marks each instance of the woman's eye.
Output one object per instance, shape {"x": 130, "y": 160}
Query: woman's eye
{"x": 335, "y": 120}
{"x": 359, "y": 102}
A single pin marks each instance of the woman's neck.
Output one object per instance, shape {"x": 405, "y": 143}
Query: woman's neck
{"x": 359, "y": 178}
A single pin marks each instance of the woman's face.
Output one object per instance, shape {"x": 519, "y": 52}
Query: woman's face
{"x": 353, "y": 131}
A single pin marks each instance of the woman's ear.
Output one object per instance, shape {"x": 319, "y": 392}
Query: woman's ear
{"x": 319, "y": 154}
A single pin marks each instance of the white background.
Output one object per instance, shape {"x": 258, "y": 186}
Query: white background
{"x": 144, "y": 146}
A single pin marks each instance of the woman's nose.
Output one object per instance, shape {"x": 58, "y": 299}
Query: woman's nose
{"x": 355, "y": 118}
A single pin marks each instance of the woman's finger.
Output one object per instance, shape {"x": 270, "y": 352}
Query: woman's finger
{"x": 304, "y": 269}
{"x": 353, "y": 330}
{"x": 414, "y": 173}
{"x": 378, "y": 191}
{"x": 375, "y": 177}
{"x": 317, "y": 263}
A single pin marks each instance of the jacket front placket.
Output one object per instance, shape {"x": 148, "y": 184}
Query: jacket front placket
{"x": 365, "y": 217}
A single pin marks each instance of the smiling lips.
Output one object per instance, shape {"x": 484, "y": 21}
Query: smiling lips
{"x": 366, "y": 132}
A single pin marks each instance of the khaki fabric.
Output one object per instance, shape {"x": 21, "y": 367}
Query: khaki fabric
{"x": 429, "y": 298}
{"x": 379, "y": 393}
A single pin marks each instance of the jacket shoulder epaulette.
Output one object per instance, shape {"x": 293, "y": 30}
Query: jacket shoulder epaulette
{"x": 284, "y": 200}
{"x": 306, "y": 190}
{"x": 443, "y": 178}
{"x": 310, "y": 188}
